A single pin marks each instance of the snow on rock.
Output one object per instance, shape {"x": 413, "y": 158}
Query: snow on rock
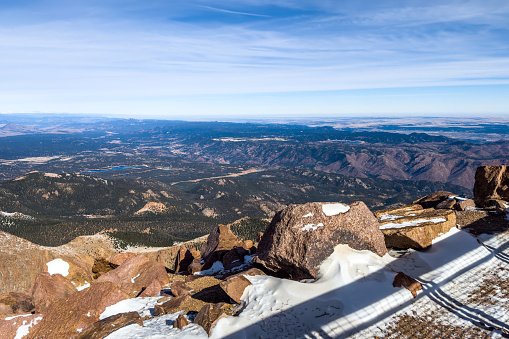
{"x": 24, "y": 329}
{"x": 309, "y": 215}
{"x": 216, "y": 268}
{"x": 144, "y": 306}
{"x": 58, "y": 266}
{"x": 84, "y": 286}
{"x": 311, "y": 227}
{"x": 334, "y": 209}
{"x": 411, "y": 223}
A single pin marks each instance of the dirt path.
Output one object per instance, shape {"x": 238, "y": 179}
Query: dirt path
{"x": 231, "y": 175}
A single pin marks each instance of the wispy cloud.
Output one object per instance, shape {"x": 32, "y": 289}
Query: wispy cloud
{"x": 222, "y": 10}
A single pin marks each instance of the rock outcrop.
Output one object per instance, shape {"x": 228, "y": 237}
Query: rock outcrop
{"x": 491, "y": 183}
{"x": 415, "y": 228}
{"x": 48, "y": 289}
{"x": 300, "y": 237}
{"x": 432, "y": 200}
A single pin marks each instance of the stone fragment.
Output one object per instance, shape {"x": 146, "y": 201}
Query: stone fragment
{"x": 235, "y": 285}
{"x": 179, "y": 288}
{"x": 231, "y": 259}
{"x": 135, "y": 274}
{"x": 432, "y": 200}
{"x": 208, "y": 316}
{"x": 171, "y": 306}
{"x": 196, "y": 266}
{"x": 491, "y": 182}
{"x": 184, "y": 259}
{"x": 181, "y": 322}
{"x": 403, "y": 280}
{"x": 50, "y": 288}
{"x": 464, "y": 205}
{"x": 219, "y": 241}
{"x": 66, "y": 317}
{"x": 248, "y": 244}
{"x": 151, "y": 290}
{"x": 301, "y": 237}
{"x": 418, "y": 229}
{"x": 447, "y": 204}
{"x": 103, "y": 328}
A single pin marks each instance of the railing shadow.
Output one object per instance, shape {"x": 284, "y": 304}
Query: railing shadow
{"x": 333, "y": 326}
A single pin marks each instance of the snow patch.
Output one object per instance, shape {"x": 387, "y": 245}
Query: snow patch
{"x": 334, "y": 209}
{"x": 134, "y": 278}
{"x": 58, "y": 266}
{"x": 311, "y": 227}
{"x": 24, "y": 329}
{"x": 17, "y": 316}
{"x": 144, "y": 306}
{"x": 411, "y": 223}
{"x": 308, "y": 215}
{"x": 216, "y": 268}
{"x": 84, "y": 286}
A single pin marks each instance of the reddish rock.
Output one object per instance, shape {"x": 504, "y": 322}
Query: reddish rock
{"x": 248, "y": 244}
{"x": 301, "y": 237}
{"x": 15, "y": 303}
{"x": 179, "y": 288}
{"x": 423, "y": 227}
{"x": 50, "y": 288}
{"x": 119, "y": 258}
{"x": 9, "y": 325}
{"x": 432, "y": 200}
{"x": 64, "y": 318}
{"x": 219, "y": 241}
{"x": 403, "y": 280}
{"x": 463, "y": 205}
{"x": 103, "y": 328}
{"x": 231, "y": 259}
{"x": 181, "y": 322}
{"x": 208, "y": 316}
{"x": 235, "y": 285}
{"x": 184, "y": 259}
{"x": 196, "y": 266}
{"x": 491, "y": 183}
{"x": 135, "y": 274}
{"x": 171, "y": 306}
{"x": 151, "y": 290}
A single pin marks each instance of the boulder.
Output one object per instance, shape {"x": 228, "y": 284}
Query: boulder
{"x": 491, "y": 182}
{"x": 103, "y": 328}
{"x": 50, "y": 288}
{"x": 119, "y": 258}
{"x": 464, "y": 205}
{"x": 415, "y": 229}
{"x": 181, "y": 322}
{"x": 196, "y": 266}
{"x": 14, "y": 303}
{"x": 135, "y": 274}
{"x": 67, "y": 317}
{"x": 166, "y": 256}
{"x": 179, "y": 288}
{"x": 405, "y": 209}
{"x": 232, "y": 259}
{"x": 183, "y": 260}
{"x": 432, "y": 200}
{"x": 208, "y": 317}
{"x": 501, "y": 207}
{"x": 151, "y": 290}
{"x": 10, "y": 325}
{"x": 403, "y": 280}
{"x": 301, "y": 237}
{"x": 235, "y": 285}
{"x": 219, "y": 241}
{"x": 173, "y": 305}
{"x": 447, "y": 204}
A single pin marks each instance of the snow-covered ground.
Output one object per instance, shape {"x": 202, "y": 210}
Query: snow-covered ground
{"x": 354, "y": 296}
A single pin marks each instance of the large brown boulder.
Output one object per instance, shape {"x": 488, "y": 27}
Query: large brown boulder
{"x": 135, "y": 274}
{"x": 103, "y": 328}
{"x": 208, "y": 317}
{"x": 184, "y": 259}
{"x": 48, "y": 289}
{"x": 432, "y": 200}
{"x": 491, "y": 183}
{"x": 301, "y": 237}
{"x": 67, "y": 317}
{"x": 415, "y": 229}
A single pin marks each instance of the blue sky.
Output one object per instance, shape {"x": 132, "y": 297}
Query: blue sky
{"x": 255, "y": 57}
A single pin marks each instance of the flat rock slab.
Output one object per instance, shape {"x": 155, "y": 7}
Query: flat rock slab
{"x": 301, "y": 237}
{"x": 415, "y": 229}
